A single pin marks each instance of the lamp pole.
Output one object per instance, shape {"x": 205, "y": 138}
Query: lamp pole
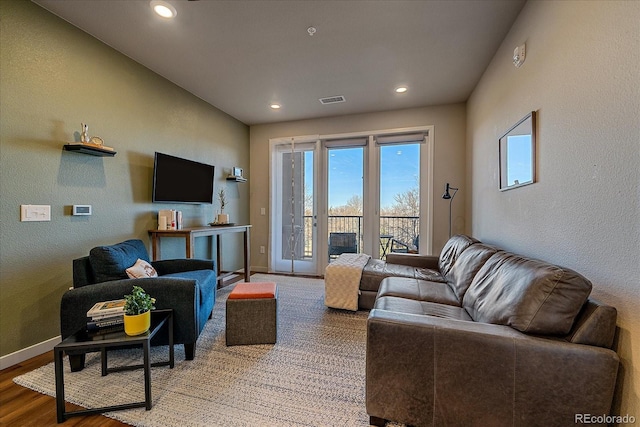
{"x": 449, "y": 197}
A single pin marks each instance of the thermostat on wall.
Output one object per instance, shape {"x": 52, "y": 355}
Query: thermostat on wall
{"x": 81, "y": 210}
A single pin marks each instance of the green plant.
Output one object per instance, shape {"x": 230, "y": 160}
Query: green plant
{"x": 223, "y": 199}
{"x": 138, "y": 302}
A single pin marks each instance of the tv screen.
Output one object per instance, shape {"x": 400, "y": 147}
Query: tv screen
{"x": 181, "y": 180}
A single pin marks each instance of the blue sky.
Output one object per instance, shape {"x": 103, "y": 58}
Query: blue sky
{"x": 399, "y": 172}
{"x": 519, "y": 159}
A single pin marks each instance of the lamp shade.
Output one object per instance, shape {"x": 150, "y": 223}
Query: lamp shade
{"x": 446, "y": 194}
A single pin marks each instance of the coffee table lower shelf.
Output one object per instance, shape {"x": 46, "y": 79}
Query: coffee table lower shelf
{"x": 88, "y": 342}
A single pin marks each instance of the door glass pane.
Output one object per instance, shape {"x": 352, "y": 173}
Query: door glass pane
{"x": 345, "y": 194}
{"x": 297, "y": 205}
{"x": 399, "y": 198}
{"x": 308, "y": 207}
{"x": 294, "y": 224}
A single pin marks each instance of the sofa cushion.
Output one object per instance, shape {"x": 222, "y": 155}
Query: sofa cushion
{"x": 529, "y": 295}
{"x": 424, "y": 308}
{"x": 419, "y": 290}
{"x": 376, "y": 269}
{"x": 466, "y": 267}
{"x": 110, "y": 262}
{"x": 452, "y": 250}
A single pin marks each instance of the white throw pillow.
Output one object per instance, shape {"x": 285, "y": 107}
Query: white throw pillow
{"x": 141, "y": 269}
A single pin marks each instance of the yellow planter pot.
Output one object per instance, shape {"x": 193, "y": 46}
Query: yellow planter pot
{"x": 137, "y": 324}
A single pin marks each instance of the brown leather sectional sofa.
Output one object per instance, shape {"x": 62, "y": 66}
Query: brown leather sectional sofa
{"x": 481, "y": 336}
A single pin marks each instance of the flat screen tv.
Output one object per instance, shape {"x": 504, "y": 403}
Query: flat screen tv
{"x": 180, "y": 180}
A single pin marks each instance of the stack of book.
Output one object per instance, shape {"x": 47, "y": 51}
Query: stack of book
{"x": 106, "y": 316}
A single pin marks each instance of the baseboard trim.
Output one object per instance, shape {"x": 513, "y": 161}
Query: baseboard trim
{"x": 29, "y": 352}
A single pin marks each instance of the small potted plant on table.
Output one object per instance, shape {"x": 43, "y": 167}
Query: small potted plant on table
{"x": 223, "y": 218}
{"x": 137, "y": 311}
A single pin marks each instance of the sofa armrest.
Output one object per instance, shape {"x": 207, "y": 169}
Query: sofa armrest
{"x": 413, "y": 260}
{"x": 424, "y": 370}
{"x": 182, "y": 295}
{"x": 169, "y": 266}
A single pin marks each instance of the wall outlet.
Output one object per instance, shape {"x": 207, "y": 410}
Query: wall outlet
{"x": 262, "y": 249}
{"x": 35, "y": 213}
{"x": 263, "y": 211}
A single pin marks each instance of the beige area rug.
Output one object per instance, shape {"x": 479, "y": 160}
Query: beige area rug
{"x": 313, "y": 376}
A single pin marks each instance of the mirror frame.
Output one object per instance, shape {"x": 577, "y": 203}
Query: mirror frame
{"x": 529, "y": 128}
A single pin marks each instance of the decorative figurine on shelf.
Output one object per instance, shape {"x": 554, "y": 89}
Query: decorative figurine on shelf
{"x": 95, "y": 141}
{"x": 84, "y": 136}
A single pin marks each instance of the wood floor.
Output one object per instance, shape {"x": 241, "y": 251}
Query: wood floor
{"x": 21, "y": 406}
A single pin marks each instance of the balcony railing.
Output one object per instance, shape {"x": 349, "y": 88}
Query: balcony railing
{"x": 402, "y": 229}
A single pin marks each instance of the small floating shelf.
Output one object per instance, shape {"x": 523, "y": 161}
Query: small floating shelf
{"x": 89, "y": 149}
{"x": 236, "y": 178}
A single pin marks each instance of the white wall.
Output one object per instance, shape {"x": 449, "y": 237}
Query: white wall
{"x": 582, "y": 76}
{"x": 449, "y": 152}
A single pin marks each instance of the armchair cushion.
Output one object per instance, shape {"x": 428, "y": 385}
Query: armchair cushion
{"x": 206, "y": 278}
{"x": 170, "y": 266}
{"x": 141, "y": 269}
{"x": 110, "y": 262}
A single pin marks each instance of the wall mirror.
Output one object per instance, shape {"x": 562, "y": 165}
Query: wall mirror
{"x": 518, "y": 154}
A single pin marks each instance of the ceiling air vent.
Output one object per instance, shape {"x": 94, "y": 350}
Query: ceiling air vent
{"x": 332, "y": 99}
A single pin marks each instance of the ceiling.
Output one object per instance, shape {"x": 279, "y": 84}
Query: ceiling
{"x": 243, "y": 55}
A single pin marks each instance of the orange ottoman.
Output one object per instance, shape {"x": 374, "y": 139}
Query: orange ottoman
{"x": 252, "y": 314}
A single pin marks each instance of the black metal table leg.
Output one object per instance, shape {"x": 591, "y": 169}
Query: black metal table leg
{"x": 147, "y": 375}
{"x": 171, "y": 363}
{"x": 103, "y": 358}
{"x": 60, "y": 405}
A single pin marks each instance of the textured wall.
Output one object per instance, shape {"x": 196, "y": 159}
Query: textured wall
{"x": 449, "y": 151}
{"x": 582, "y": 76}
{"x": 52, "y": 77}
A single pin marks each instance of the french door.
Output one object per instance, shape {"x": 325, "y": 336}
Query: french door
{"x": 375, "y": 188}
{"x": 294, "y": 222}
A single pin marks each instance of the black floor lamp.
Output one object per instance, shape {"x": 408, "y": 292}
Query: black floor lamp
{"x": 449, "y": 197}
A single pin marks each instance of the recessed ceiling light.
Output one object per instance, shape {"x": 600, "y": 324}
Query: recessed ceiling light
{"x": 401, "y": 89}
{"x": 163, "y": 8}
{"x": 276, "y": 106}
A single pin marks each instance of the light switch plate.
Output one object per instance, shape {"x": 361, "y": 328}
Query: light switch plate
{"x": 35, "y": 213}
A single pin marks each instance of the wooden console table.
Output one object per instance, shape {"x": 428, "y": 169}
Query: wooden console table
{"x": 189, "y": 234}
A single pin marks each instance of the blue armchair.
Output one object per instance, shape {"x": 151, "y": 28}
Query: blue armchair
{"x": 188, "y": 286}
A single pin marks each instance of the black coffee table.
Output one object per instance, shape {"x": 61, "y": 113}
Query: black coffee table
{"x": 82, "y": 340}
